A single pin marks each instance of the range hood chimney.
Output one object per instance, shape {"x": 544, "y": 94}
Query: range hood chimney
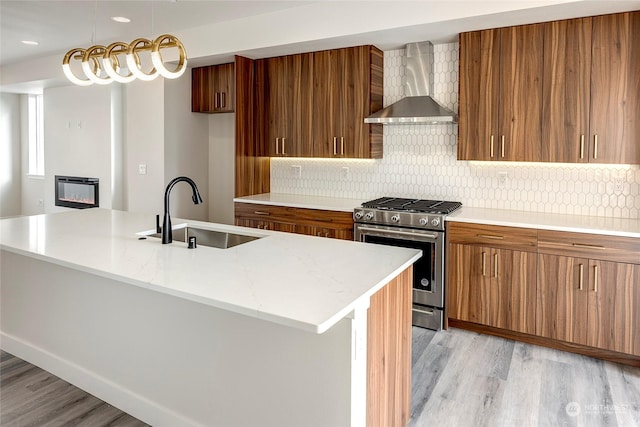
{"x": 417, "y": 107}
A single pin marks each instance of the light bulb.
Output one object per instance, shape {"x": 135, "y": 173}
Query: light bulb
{"x": 66, "y": 68}
{"x": 156, "y": 57}
{"x": 92, "y": 72}
{"x": 133, "y": 61}
{"x": 111, "y": 64}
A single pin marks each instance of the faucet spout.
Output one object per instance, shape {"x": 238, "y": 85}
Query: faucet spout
{"x": 167, "y": 234}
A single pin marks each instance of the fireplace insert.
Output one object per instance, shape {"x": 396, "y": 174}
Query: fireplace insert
{"x": 77, "y": 192}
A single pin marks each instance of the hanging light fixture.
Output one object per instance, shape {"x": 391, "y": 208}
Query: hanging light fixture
{"x": 101, "y": 65}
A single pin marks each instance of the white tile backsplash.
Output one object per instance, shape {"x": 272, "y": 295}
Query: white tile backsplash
{"x": 420, "y": 161}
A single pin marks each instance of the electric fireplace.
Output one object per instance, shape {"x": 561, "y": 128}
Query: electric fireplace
{"x": 77, "y": 192}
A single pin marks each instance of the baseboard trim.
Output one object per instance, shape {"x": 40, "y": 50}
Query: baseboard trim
{"x": 104, "y": 389}
{"x": 611, "y": 356}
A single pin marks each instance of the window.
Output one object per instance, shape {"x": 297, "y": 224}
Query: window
{"x": 36, "y": 135}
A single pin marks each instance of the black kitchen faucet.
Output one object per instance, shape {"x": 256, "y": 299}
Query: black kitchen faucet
{"x": 167, "y": 234}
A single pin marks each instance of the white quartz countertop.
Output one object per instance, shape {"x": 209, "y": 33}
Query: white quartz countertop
{"x": 300, "y": 201}
{"x": 548, "y": 221}
{"x": 299, "y": 281}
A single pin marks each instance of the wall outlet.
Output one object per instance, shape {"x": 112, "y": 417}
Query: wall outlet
{"x": 344, "y": 172}
{"x": 502, "y": 179}
{"x": 40, "y": 202}
{"x": 618, "y": 184}
{"x": 142, "y": 169}
{"x": 296, "y": 171}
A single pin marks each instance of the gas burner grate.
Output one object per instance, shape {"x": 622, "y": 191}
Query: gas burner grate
{"x": 413, "y": 205}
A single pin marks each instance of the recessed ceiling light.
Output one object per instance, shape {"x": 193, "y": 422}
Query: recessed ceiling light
{"x": 120, "y": 19}
{"x": 30, "y": 42}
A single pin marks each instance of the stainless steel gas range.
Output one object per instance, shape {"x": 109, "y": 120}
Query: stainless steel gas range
{"x": 417, "y": 224}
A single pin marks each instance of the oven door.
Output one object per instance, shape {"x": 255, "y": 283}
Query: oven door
{"x": 428, "y": 277}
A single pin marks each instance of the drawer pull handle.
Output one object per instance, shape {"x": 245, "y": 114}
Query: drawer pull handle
{"x": 283, "y": 139}
{"x": 484, "y": 262}
{"x": 595, "y": 146}
{"x": 489, "y": 236}
{"x": 277, "y": 145}
{"x": 335, "y": 148}
{"x": 595, "y": 278}
{"x": 491, "y": 148}
{"x": 261, "y": 213}
{"x": 502, "y": 147}
{"x": 581, "y": 277}
{"x": 495, "y": 265}
{"x": 582, "y": 245}
{"x": 582, "y": 146}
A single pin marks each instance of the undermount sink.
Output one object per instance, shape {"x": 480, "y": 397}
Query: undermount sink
{"x": 212, "y": 238}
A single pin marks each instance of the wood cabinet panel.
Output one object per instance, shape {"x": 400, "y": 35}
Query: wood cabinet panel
{"x": 213, "y": 89}
{"x": 520, "y": 103}
{"x": 615, "y": 92}
{"x": 514, "y": 238}
{"x": 562, "y": 298}
{"x": 494, "y": 287}
{"x": 478, "y": 94}
{"x": 614, "y": 306}
{"x": 313, "y": 222}
{"x": 595, "y": 246}
{"x": 266, "y": 225}
{"x": 566, "y": 91}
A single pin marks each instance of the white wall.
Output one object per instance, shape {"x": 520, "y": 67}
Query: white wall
{"x": 10, "y": 156}
{"x": 143, "y": 106}
{"x": 77, "y": 132}
{"x": 221, "y": 167}
{"x": 186, "y": 149}
{"x": 32, "y": 189}
{"x": 420, "y": 161}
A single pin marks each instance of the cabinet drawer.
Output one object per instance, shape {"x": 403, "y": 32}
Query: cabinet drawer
{"x": 593, "y": 246}
{"x": 514, "y": 238}
{"x": 265, "y": 212}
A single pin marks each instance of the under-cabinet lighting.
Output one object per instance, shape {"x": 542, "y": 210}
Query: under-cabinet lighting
{"x": 491, "y": 163}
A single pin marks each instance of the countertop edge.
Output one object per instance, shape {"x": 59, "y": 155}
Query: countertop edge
{"x": 259, "y": 199}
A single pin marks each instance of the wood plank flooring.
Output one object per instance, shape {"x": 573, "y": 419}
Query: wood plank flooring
{"x": 459, "y": 378}
{"x": 30, "y": 396}
{"x": 462, "y": 378}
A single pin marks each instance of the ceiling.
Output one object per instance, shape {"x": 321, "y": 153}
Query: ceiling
{"x": 214, "y": 30}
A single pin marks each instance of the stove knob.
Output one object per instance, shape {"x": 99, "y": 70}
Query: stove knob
{"x": 423, "y": 221}
{"x": 395, "y": 218}
{"x": 358, "y": 215}
{"x": 368, "y": 216}
{"x": 435, "y": 222}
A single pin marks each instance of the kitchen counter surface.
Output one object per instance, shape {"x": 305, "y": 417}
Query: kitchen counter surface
{"x": 300, "y": 281}
{"x": 549, "y": 221}
{"x": 300, "y": 201}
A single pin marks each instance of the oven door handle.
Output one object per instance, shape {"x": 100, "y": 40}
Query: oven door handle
{"x": 400, "y": 233}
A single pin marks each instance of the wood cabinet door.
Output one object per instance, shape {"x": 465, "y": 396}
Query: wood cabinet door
{"x": 325, "y": 102}
{"x": 479, "y": 92}
{"x": 277, "y": 112}
{"x": 468, "y": 284}
{"x": 566, "y": 91}
{"x": 614, "y": 306}
{"x": 615, "y": 92}
{"x": 298, "y": 127}
{"x": 353, "y": 106}
{"x": 520, "y": 104}
{"x": 513, "y": 290}
{"x": 561, "y": 306}
{"x": 266, "y": 225}
{"x": 223, "y": 88}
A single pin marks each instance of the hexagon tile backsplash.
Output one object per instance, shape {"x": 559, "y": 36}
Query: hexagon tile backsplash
{"x": 420, "y": 161}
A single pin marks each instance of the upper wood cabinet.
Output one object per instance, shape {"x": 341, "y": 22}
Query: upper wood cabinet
{"x": 213, "y": 89}
{"x": 563, "y": 91}
{"x": 501, "y": 94}
{"x": 347, "y": 88}
{"x": 615, "y": 91}
{"x": 317, "y": 103}
{"x": 287, "y": 91}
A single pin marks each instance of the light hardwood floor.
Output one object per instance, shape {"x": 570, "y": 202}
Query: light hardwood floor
{"x": 459, "y": 379}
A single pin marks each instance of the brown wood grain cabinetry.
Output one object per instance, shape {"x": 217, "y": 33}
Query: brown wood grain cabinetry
{"x": 589, "y": 290}
{"x": 213, "y": 89}
{"x": 489, "y": 285}
{"x": 615, "y": 92}
{"x": 313, "y": 222}
{"x": 501, "y": 94}
{"x": 347, "y": 88}
{"x": 288, "y": 91}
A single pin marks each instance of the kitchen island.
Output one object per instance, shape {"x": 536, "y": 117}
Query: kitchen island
{"x": 282, "y": 330}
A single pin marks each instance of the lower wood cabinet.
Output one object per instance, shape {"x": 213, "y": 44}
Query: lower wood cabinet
{"x": 312, "y": 222}
{"x": 493, "y": 287}
{"x": 575, "y": 291}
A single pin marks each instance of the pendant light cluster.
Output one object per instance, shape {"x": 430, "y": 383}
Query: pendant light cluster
{"x": 104, "y": 64}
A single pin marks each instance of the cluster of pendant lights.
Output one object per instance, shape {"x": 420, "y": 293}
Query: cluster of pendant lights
{"x": 103, "y": 64}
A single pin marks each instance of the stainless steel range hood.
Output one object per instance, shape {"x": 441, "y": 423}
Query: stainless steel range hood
{"x": 417, "y": 106}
